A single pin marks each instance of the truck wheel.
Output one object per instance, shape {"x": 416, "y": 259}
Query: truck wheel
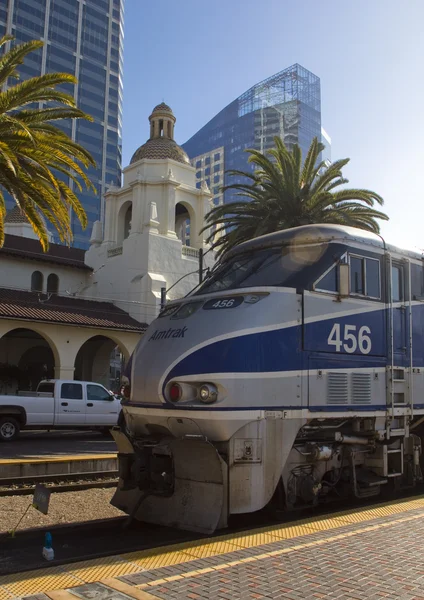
{"x": 9, "y": 429}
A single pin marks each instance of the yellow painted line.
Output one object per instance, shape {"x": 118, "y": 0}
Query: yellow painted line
{"x": 273, "y": 553}
{"x": 56, "y": 459}
{"x": 54, "y": 578}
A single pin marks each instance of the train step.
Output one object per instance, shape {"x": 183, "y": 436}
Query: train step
{"x": 368, "y": 479}
{"x": 398, "y": 431}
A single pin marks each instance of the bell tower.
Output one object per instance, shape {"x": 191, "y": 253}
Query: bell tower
{"x": 153, "y": 224}
{"x": 162, "y": 121}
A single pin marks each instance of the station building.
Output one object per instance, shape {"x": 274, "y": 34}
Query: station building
{"x": 73, "y": 314}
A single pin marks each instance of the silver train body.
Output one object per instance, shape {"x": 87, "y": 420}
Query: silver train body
{"x": 293, "y": 375}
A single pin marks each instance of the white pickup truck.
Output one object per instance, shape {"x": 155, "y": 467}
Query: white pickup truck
{"x": 59, "y": 404}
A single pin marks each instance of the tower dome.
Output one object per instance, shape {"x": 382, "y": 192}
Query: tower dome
{"x": 161, "y": 144}
{"x": 15, "y": 215}
{"x": 162, "y": 108}
{"x": 16, "y": 223}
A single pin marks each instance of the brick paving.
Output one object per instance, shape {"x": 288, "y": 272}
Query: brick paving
{"x": 372, "y": 565}
{"x": 381, "y": 558}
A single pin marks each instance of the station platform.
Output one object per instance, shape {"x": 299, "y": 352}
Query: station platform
{"x": 43, "y": 444}
{"x": 73, "y": 464}
{"x": 362, "y": 553}
{"x": 42, "y": 453}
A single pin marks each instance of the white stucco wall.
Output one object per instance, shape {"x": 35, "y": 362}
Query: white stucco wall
{"x": 183, "y": 173}
{"x": 16, "y": 273}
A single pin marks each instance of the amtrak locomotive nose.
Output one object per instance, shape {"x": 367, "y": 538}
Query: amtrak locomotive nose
{"x": 284, "y": 380}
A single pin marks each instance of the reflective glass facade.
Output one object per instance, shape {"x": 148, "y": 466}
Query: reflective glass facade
{"x": 326, "y": 140}
{"x": 287, "y": 105}
{"x": 85, "y": 38}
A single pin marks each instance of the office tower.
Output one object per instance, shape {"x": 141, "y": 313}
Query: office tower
{"x": 287, "y": 105}
{"x": 85, "y": 38}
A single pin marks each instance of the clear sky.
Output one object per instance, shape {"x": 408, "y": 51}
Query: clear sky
{"x": 369, "y": 54}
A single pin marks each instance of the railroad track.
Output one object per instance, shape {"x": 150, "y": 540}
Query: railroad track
{"x": 22, "y": 486}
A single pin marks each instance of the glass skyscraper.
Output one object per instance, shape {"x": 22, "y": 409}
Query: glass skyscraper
{"x": 287, "y": 105}
{"x": 85, "y": 38}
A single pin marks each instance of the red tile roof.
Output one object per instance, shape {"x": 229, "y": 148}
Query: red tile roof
{"x": 23, "y": 247}
{"x": 65, "y": 310}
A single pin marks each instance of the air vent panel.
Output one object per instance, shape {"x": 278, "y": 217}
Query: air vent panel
{"x": 337, "y": 388}
{"x": 361, "y": 388}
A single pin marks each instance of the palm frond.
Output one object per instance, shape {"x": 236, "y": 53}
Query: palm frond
{"x": 34, "y": 153}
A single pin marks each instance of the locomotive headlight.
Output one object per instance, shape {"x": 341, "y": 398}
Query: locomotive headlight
{"x": 208, "y": 393}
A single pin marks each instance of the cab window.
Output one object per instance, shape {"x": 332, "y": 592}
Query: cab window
{"x": 260, "y": 268}
{"x": 365, "y": 276}
{"x": 417, "y": 282}
{"x": 71, "y": 391}
{"x": 328, "y": 282}
{"x": 97, "y": 392}
{"x": 397, "y": 284}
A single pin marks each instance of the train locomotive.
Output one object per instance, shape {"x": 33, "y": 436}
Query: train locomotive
{"x": 293, "y": 375}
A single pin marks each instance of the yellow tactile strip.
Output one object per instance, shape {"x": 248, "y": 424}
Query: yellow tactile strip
{"x": 23, "y": 584}
{"x": 57, "y": 459}
{"x": 75, "y": 574}
{"x": 99, "y": 568}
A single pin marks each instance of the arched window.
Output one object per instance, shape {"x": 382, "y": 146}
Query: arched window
{"x": 52, "y": 283}
{"x": 127, "y": 222}
{"x": 37, "y": 281}
{"x": 124, "y": 222}
{"x": 182, "y": 223}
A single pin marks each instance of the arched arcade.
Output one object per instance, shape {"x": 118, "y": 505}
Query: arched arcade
{"x": 102, "y": 360}
{"x": 37, "y": 351}
{"x": 26, "y": 357}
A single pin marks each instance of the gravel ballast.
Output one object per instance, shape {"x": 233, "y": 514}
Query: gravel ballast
{"x": 67, "y": 507}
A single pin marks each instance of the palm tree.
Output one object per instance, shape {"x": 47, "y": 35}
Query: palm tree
{"x": 36, "y": 157}
{"x": 282, "y": 194}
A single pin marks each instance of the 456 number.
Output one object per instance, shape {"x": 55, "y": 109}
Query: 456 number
{"x": 224, "y": 303}
{"x": 352, "y": 340}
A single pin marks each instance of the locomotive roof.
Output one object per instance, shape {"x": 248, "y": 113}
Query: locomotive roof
{"x": 308, "y": 234}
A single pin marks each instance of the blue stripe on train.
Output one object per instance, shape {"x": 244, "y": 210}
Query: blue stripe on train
{"x": 281, "y": 350}
{"x": 270, "y": 351}
{"x": 322, "y": 408}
